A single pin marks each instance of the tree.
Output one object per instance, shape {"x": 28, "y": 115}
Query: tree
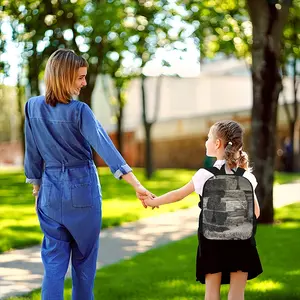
{"x": 85, "y": 26}
{"x": 152, "y": 22}
{"x": 97, "y": 30}
{"x": 21, "y": 103}
{"x": 224, "y": 26}
{"x": 268, "y": 19}
{"x": 148, "y": 123}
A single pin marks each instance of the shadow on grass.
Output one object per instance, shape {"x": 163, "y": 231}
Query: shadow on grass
{"x": 20, "y": 236}
{"x": 25, "y": 229}
{"x": 116, "y": 221}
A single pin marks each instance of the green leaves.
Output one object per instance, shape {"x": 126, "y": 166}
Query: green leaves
{"x": 105, "y": 32}
{"x": 221, "y": 26}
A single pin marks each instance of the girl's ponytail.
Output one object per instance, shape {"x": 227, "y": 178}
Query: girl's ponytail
{"x": 231, "y": 133}
{"x": 243, "y": 161}
{"x": 236, "y": 158}
{"x": 229, "y": 156}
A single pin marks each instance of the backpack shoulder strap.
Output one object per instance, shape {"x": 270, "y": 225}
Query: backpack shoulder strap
{"x": 217, "y": 171}
{"x": 213, "y": 170}
{"x": 239, "y": 171}
{"x": 222, "y": 170}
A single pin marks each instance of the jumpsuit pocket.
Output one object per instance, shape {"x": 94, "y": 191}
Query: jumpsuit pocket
{"x": 44, "y": 196}
{"x": 81, "y": 195}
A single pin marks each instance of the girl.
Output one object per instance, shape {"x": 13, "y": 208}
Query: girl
{"x": 59, "y": 133}
{"x": 221, "y": 261}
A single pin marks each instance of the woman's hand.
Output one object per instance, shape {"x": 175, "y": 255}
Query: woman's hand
{"x": 35, "y": 193}
{"x": 36, "y": 203}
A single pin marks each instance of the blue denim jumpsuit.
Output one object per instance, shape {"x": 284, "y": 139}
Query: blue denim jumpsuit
{"x": 58, "y": 157}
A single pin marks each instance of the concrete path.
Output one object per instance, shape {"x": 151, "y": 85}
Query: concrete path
{"x": 21, "y": 271}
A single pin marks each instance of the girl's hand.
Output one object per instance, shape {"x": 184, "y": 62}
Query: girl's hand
{"x": 149, "y": 201}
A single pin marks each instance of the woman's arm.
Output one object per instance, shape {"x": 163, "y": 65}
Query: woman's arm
{"x": 172, "y": 196}
{"x": 33, "y": 162}
{"x": 141, "y": 192}
{"x": 132, "y": 180}
{"x": 98, "y": 138}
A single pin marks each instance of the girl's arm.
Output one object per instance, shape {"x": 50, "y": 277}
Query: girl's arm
{"x": 256, "y": 207}
{"x": 172, "y": 196}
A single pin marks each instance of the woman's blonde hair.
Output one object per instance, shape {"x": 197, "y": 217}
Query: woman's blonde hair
{"x": 231, "y": 134}
{"x": 60, "y": 75}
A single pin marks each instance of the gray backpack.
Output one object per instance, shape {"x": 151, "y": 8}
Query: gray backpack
{"x": 227, "y": 206}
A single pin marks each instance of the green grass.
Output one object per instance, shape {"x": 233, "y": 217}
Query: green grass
{"x": 282, "y": 178}
{"x": 19, "y": 226}
{"x": 168, "y": 273}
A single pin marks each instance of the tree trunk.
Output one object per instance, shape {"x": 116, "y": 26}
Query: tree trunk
{"x": 147, "y": 128}
{"x": 295, "y": 106}
{"x": 22, "y": 118}
{"x": 86, "y": 93}
{"x": 33, "y": 74}
{"x": 93, "y": 72}
{"x": 120, "y": 121}
{"x": 148, "y": 151}
{"x": 268, "y": 23}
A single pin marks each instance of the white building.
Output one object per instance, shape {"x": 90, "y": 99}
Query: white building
{"x": 223, "y": 89}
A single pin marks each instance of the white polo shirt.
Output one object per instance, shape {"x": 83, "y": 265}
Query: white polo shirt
{"x": 203, "y": 175}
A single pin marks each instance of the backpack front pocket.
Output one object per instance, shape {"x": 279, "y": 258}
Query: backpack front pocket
{"x": 81, "y": 195}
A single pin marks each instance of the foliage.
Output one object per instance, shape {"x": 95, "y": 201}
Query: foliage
{"x": 221, "y": 27}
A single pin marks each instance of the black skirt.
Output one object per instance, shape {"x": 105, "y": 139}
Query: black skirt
{"x": 214, "y": 256}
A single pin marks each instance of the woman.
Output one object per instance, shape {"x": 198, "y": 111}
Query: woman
{"x": 59, "y": 134}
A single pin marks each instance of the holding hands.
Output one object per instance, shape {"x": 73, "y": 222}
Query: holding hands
{"x": 140, "y": 191}
{"x": 144, "y": 195}
{"x": 150, "y": 201}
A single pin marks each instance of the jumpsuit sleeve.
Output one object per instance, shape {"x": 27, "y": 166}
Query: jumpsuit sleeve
{"x": 97, "y": 137}
{"x": 33, "y": 162}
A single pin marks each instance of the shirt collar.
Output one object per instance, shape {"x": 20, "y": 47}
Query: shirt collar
{"x": 219, "y": 163}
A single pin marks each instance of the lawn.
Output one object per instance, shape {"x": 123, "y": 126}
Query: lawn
{"x": 281, "y": 177}
{"x": 167, "y": 273}
{"x": 19, "y": 225}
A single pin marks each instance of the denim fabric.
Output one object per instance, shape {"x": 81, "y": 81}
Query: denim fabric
{"x": 58, "y": 157}
{"x": 63, "y": 135}
{"x": 69, "y": 211}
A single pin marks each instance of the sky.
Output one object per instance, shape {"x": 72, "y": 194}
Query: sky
{"x": 184, "y": 64}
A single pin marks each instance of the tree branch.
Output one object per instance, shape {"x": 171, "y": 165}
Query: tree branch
{"x": 157, "y": 98}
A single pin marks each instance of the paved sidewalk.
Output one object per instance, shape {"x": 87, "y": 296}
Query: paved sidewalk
{"x": 21, "y": 271}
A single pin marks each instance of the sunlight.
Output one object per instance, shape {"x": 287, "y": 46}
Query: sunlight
{"x": 293, "y": 273}
{"x": 17, "y": 274}
{"x": 266, "y": 285}
{"x": 175, "y": 283}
